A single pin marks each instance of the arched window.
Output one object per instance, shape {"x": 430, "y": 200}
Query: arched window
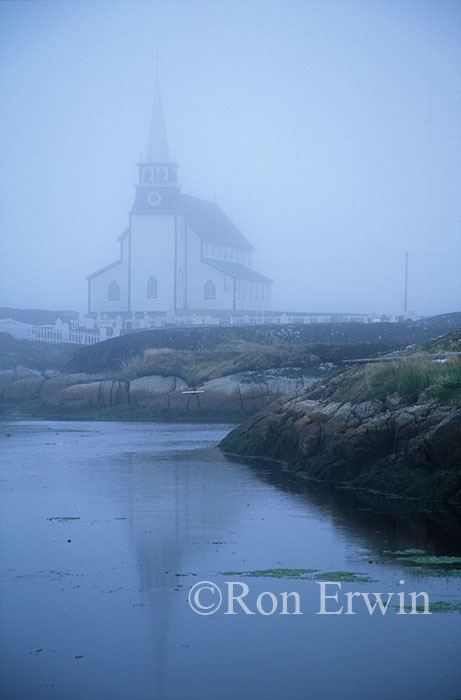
{"x": 210, "y": 290}
{"x": 113, "y": 291}
{"x": 147, "y": 176}
{"x": 152, "y": 288}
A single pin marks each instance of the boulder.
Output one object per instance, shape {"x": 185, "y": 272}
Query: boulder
{"x": 148, "y": 389}
{"x": 87, "y": 394}
{"x": 6, "y": 377}
{"x": 104, "y": 393}
{"x": 23, "y": 388}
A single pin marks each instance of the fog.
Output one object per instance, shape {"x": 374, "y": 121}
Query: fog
{"x": 329, "y": 132}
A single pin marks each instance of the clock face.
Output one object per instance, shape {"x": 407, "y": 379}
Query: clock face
{"x": 154, "y": 198}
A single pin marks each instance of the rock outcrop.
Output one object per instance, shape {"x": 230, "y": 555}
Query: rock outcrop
{"x": 239, "y": 394}
{"x": 412, "y": 451}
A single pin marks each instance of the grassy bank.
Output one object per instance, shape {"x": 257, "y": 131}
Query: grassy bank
{"x": 197, "y": 367}
{"x": 414, "y": 380}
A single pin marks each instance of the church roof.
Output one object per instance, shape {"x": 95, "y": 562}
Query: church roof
{"x": 103, "y": 269}
{"x": 211, "y": 224}
{"x": 157, "y": 144}
{"x": 237, "y": 270}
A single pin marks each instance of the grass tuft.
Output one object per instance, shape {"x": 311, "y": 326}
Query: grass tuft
{"x": 413, "y": 379}
{"x": 196, "y": 367}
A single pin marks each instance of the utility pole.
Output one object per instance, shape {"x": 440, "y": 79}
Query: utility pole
{"x": 405, "y": 298}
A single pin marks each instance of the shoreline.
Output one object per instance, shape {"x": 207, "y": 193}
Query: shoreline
{"x": 122, "y": 416}
{"x": 433, "y": 505}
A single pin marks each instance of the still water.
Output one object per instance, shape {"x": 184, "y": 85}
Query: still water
{"x": 105, "y": 527}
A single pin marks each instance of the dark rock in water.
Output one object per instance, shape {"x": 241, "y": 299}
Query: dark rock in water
{"x": 412, "y": 451}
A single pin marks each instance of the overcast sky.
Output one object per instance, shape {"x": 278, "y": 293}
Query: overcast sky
{"x": 328, "y": 131}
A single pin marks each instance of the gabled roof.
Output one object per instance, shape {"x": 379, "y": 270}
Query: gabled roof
{"x": 103, "y": 269}
{"x": 211, "y": 224}
{"x": 237, "y": 270}
{"x": 125, "y": 233}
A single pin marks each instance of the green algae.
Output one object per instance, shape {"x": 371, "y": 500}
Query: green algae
{"x": 273, "y": 573}
{"x": 422, "y": 564}
{"x": 404, "y": 552}
{"x": 347, "y": 576}
{"x": 430, "y": 560}
{"x": 436, "y": 606}
{"x": 435, "y": 572}
{"x": 444, "y": 606}
{"x": 306, "y": 574}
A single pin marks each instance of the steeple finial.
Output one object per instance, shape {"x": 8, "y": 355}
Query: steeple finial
{"x": 157, "y": 145}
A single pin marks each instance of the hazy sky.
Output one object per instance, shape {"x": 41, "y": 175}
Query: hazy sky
{"x": 328, "y": 131}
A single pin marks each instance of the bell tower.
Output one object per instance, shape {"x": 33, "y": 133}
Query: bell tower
{"x": 157, "y": 189}
{"x": 154, "y": 253}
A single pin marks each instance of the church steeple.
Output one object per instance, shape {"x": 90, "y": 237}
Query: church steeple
{"x": 157, "y": 144}
{"x": 157, "y": 190}
{"x": 158, "y": 169}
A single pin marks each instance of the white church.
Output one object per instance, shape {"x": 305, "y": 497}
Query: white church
{"x": 179, "y": 254}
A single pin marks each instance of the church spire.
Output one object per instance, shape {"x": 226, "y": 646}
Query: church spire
{"x": 157, "y": 145}
{"x": 157, "y": 171}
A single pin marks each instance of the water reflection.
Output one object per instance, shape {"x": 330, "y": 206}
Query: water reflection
{"x": 158, "y": 508}
{"x": 382, "y": 523}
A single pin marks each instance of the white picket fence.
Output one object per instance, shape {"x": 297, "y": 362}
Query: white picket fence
{"x": 58, "y": 333}
{"x": 53, "y": 334}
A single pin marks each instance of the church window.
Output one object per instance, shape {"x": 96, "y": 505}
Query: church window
{"x": 180, "y": 276}
{"x": 152, "y": 288}
{"x": 113, "y": 291}
{"x": 161, "y": 175}
{"x": 210, "y": 290}
{"x": 147, "y": 176}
